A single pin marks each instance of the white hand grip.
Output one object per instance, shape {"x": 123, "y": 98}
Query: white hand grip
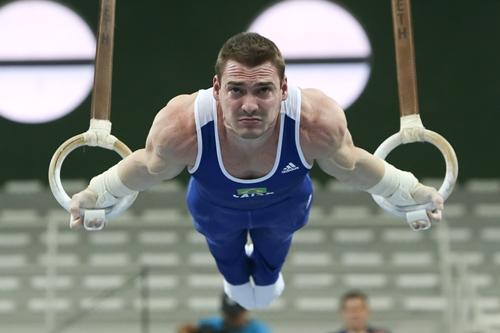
{"x": 418, "y": 220}
{"x": 94, "y": 219}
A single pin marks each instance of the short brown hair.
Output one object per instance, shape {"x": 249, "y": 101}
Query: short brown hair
{"x": 353, "y": 294}
{"x": 250, "y": 49}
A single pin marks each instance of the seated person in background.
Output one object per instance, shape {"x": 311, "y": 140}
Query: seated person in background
{"x": 235, "y": 319}
{"x": 355, "y": 312}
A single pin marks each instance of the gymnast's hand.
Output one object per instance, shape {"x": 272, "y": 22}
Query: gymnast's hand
{"x": 84, "y": 199}
{"x": 430, "y": 197}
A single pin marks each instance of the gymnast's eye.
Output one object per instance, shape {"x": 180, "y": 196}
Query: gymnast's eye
{"x": 264, "y": 90}
{"x": 234, "y": 90}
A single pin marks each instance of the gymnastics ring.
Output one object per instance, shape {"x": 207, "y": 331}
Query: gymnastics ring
{"x": 417, "y": 133}
{"x": 97, "y": 136}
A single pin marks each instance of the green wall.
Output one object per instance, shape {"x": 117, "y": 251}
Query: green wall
{"x": 164, "y": 48}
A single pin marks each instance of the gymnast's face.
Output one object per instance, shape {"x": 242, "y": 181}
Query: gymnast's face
{"x": 249, "y": 98}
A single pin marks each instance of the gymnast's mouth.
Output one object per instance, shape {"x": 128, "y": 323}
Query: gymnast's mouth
{"x": 248, "y": 120}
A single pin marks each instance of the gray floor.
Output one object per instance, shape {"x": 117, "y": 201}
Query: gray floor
{"x": 349, "y": 243}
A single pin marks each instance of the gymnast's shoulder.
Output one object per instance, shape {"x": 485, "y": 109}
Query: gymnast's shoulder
{"x": 174, "y": 127}
{"x": 322, "y": 122}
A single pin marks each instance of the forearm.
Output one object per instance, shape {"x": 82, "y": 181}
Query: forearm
{"x": 378, "y": 177}
{"x": 364, "y": 171}
{"x": 136, "y": 172}
{"x": 359, "y": 168}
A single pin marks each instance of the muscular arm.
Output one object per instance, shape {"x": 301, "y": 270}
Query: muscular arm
{"x": 170, "y": 147}
{"x": 326, "y": 139}
{"x": 352, "y": 165}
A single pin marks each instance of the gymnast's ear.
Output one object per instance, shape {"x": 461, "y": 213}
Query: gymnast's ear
{"x": 284, "y": 88}
{"x": 216, "y": 87}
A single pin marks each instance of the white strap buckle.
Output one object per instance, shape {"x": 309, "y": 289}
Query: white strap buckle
{"x": 99, "y": 134}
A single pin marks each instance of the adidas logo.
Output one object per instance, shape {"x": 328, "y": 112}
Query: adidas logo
{"x": 289, "y": 167}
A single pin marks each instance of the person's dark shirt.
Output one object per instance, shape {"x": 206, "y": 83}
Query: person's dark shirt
{"x": 369, "y": 330}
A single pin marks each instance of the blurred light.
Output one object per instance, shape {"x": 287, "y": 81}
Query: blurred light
{"x": 46, "y": 61}
{"x": 324, "y": 46}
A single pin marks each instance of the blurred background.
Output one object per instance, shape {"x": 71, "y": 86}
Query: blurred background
{"x": 150, "y": 271}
